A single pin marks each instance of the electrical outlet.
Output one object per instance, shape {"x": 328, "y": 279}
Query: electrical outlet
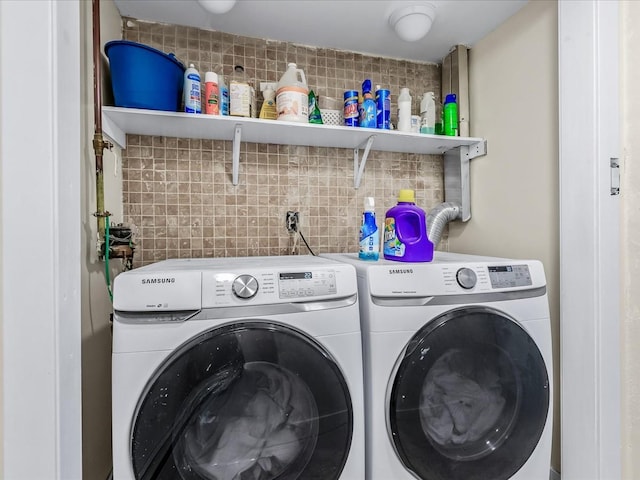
{"x": 291, "y": 221}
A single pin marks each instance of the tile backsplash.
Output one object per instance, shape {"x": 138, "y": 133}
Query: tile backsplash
{"x": 179, "y": 194}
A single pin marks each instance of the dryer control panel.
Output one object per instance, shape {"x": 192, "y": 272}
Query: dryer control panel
{"x": 306, "y": 284}
{"x": 452, "y": 278}
{"x": 505, "y": 276}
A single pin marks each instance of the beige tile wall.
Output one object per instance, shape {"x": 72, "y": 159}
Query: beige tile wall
{"x": 178, "y": 192}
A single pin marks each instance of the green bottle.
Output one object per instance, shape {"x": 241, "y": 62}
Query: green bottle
{"x": 450, "y": 114}
{"x": 314, "y": 111}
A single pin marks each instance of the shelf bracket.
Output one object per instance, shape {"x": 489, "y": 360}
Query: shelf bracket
{"x": 236, "y": 153}
{"x": 456, "y": 175}
{"x": 358, "y": 165}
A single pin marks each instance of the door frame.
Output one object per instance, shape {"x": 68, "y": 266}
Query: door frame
{"x": 589, "y": 239}
{"x": 589, "y": 309}
{"x": 40, "y": 232}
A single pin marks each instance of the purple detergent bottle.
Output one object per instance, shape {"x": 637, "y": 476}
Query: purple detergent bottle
{"x": 405, "y": 231}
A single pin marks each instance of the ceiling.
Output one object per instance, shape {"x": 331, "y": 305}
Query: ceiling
{"x": 352, "y": 25}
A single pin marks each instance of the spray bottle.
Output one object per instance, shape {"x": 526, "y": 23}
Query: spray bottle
{"x": 369, "y": 233}
{"x": 192, "y": 101}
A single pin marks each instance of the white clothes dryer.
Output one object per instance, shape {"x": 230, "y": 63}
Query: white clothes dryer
{"x": 458, "y": 368}
{"x": 238, "y": 368}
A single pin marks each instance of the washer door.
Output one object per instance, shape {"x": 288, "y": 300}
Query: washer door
{"x": 470, "y": 397}
{"x": 251, "y": 400}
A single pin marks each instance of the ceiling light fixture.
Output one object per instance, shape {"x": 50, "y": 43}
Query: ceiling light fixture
{"x": 413, "y": 22}
{"x": 217, "y": 6}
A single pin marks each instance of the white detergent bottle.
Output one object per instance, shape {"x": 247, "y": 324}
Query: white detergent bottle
{"x": 192, "y": 100}
{"x": 428, "y": 113}
{"x": 404, "y": 110}
{"x": 292, "y": 96}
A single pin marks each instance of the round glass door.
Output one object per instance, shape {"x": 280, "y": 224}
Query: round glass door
{"x": 470, "y": 397}
{"x": 251, "y": 400}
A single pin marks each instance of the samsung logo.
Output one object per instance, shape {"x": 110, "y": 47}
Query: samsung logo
{"x": 400, "y": 270}
{"x": 147, "y": 281}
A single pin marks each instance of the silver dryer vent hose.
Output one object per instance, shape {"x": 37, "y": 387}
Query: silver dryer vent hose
{"x": 438, "y": 218}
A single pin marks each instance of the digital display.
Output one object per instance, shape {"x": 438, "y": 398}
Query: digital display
{"x": 505, "y": 276}
{"x": 296, "y": 276}
{"x": 306, "y": 284}
{"x": 505, "y": 268}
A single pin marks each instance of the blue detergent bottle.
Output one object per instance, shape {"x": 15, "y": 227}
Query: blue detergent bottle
{"x": 367, "y": 108}
{"x": 405, "y": 231}
{"x": 369, "y": 232}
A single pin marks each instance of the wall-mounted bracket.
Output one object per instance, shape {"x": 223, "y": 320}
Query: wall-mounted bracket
{"x": 358, "y": 165}
{"x": 456, "y": 175}
{"x": 236, "y": 154}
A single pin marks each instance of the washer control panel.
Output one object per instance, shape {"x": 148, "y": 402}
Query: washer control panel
{"x": 270, "y": 287}
{"x": 310, "y": 283}
{"x": 505, "y": 276}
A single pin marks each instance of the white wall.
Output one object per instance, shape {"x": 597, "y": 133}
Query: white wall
{"x": 96, "y": 306}
{"x": 630, "y": 192}
{"x": 514, "y": 188}
{"x": 40, "y": 218}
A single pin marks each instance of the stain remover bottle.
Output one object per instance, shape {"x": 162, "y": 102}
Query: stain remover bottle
{"x": 369, "y": 233}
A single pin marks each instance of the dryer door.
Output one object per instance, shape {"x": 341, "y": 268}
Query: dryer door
{"x": 251, "y": 400}
{"x": 469, "y": 399}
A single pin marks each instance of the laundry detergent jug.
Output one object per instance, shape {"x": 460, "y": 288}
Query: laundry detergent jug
{"x": 405, "y": 231}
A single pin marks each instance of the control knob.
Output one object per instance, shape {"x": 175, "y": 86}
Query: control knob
{"x": 466, "y": 278}
{"x": 245, "y": 286}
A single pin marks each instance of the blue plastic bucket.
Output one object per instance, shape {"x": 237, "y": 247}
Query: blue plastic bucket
{"x": 143, "y": 77}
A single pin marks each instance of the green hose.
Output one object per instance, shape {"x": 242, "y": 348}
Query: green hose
{"x": 106, "y": 256}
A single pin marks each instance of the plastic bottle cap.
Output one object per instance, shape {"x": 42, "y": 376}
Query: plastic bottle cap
{"x": 211, "y": 77}
{"x": 369, "y": 204}
{"x": 451, "y": 98}
{"x": 366, "y": 86}
{"x": 406, "y": 196}
{"x": 191, "y": 65}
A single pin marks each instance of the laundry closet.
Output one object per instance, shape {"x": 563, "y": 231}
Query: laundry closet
{"x": 513, "y": 196}
{"x": 179, "y": 192}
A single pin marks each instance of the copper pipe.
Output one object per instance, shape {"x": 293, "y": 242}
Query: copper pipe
{"x": 97, "y": 74}
{"x": 99, "y": 143}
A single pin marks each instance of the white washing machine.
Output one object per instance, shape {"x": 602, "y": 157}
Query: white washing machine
{"x": 238, "y": 368}
{"x": 458, "y": 368}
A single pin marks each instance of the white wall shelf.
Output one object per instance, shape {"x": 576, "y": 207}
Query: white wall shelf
{"x": 118, "y": 122}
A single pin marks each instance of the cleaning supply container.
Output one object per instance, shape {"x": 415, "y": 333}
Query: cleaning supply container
{"x": 404, "y": 110}
{"x": 405, "y": 231}
{"x": 211, "y": 94}
{"x": 450, "y": 113}
{"x": 143, "y": 77}
{"x": 369, "y": 234}
{"x": 367, "y": 108}
{"x": 224, "y": 96}
{"x": 292, "y": 96}
{"x": 383, "y": 108}
{"x": 428, "y": 113}
{"x": 192, "y": 90}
